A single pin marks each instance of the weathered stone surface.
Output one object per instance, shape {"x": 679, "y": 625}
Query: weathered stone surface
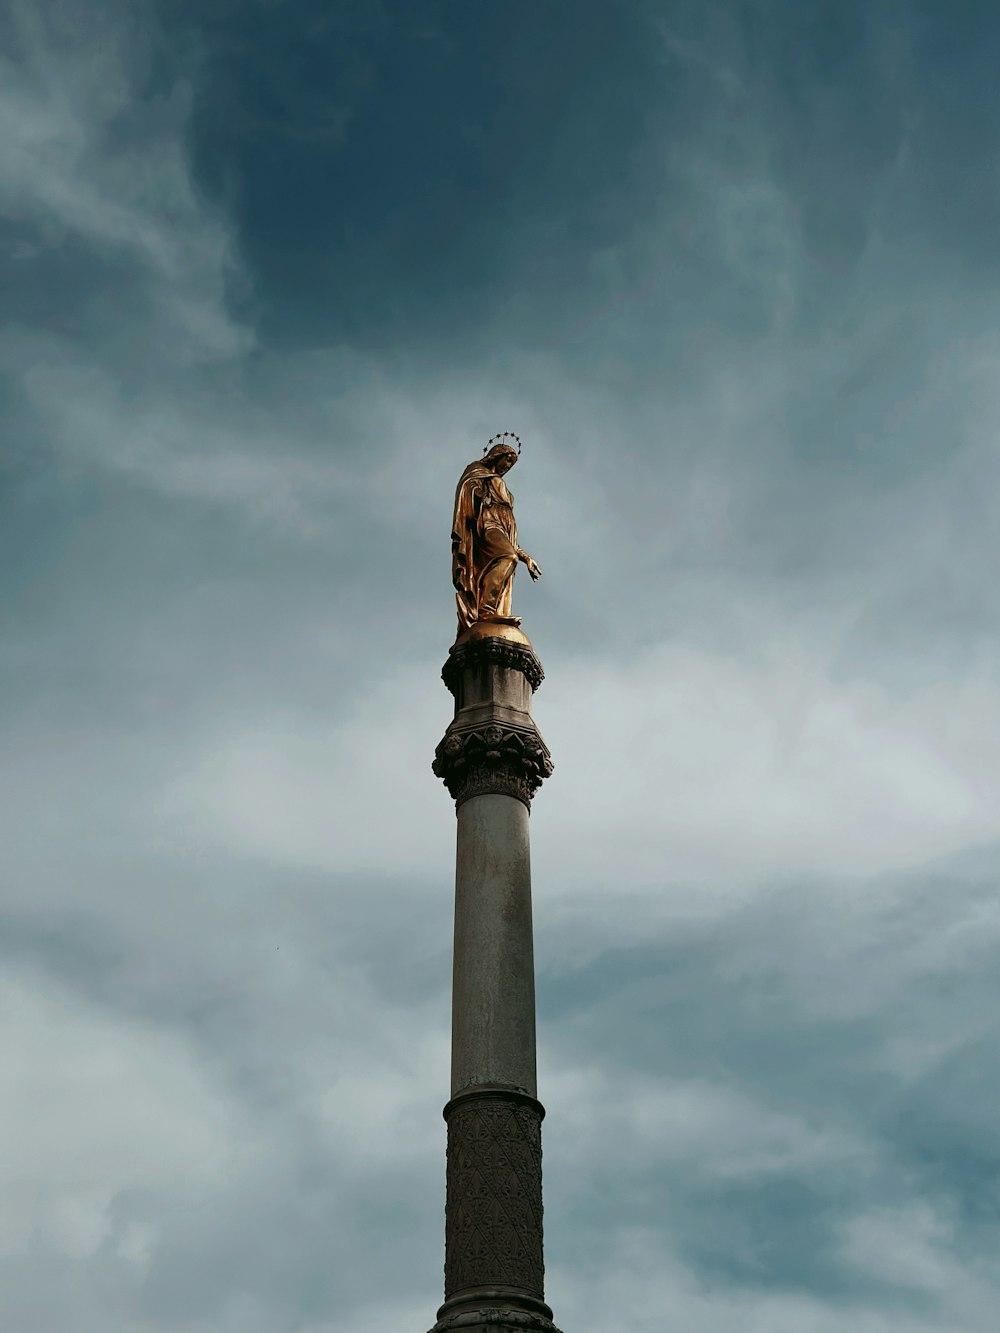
{"x": 493, "y": 760}
{"x": 493, "y": 980}
{"x": 496, "y": 1319}
{"x": 492, "y": 650}
{"x": 492, "y": 744}
{"x": 494, "y": 1208}
{"x": 513, "y": 761}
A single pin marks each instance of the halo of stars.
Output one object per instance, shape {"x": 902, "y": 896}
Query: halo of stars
{"x": 503, "y": 439}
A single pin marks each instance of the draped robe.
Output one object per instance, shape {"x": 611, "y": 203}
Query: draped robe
{"x": 483, "y": 546}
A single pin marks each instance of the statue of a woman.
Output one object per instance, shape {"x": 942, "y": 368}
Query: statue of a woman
{"x": 484, "y": 549}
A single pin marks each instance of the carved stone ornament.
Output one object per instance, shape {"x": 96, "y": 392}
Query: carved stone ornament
{"x": 508, "y": 761}
{"x": 492, "y": 652}
{"x": 493, "y": 1318}
{"x": 493, "y": 1217}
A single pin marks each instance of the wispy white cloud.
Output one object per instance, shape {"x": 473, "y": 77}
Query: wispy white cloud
{"x": 84, "y": 157}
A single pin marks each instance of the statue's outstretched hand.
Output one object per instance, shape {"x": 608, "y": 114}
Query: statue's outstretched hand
{"x": 532, "y": 568}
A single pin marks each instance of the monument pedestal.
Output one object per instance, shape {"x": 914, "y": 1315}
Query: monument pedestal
{"x": 493, "y": 759}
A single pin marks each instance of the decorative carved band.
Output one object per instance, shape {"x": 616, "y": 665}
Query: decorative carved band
{"x": 494, "y": 1319}
{"x": 483, "y": 781}
{"x": 493, "y": 759}
{"x": 493, "y": 652}
{"x": 493, "y": 1216}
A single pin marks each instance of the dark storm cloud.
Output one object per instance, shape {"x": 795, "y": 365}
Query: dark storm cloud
{"x": 400, "y": 171}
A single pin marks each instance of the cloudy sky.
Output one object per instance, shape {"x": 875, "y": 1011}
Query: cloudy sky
{"x": 273, "y": 271}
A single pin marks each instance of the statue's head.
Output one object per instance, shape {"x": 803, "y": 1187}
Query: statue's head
{"x": 501, "y": 455}
{"x": 501, "y": 458}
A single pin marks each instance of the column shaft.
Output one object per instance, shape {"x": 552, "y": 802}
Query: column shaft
{"x": 493, "y": 995}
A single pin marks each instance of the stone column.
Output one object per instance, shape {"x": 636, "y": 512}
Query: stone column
{"x": 493, "y": 759}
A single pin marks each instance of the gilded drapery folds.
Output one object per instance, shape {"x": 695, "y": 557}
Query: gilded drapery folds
{"x": 484, "y": 549}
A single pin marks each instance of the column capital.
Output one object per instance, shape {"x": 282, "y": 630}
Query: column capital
{"x": 495, "y": 759}
{"x": 492, "y": 746}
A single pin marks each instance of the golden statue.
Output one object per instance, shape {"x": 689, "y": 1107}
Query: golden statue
{"x": 484, "y": 549}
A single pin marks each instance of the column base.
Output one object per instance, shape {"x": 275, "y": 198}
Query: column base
{"x": 493, "y": 1212}
{"x": 495, "y": 1319}
{"x": 511, "y": 1299}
